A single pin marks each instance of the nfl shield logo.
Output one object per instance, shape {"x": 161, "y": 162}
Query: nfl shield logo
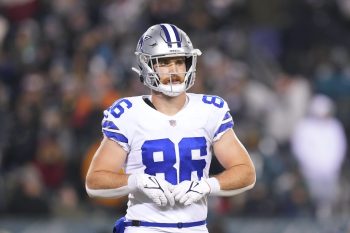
{"x": 172, "y": 123}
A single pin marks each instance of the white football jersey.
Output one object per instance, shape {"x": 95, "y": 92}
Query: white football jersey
{"x": 175, "y": 148}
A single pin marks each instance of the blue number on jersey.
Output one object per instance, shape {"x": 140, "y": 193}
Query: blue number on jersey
{"x": 166, "y": 164}
{"x": 212, "y": 99}
{"x": 118, "y": 108}
{"x": 166, "y": 158}
{"x": 187, "y": 165}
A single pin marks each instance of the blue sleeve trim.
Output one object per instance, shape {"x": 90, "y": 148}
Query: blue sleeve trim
{"x": 109, "y": 125}
{"x": 115, "y": 136}
{"x": 227, "y": 116}
{"x": 224, "y": 127}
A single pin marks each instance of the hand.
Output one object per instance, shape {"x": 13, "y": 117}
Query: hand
{"x": 188, "y": 192}
{"x": 158, "y": 190}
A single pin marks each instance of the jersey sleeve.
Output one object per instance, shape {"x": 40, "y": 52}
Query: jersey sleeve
{"x": 225, "y": 124}
{"x": 113, "y": 122}
{"x": 220, "y": 119}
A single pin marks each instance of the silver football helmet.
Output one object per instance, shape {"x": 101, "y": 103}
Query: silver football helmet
{"x": 161, "y": 41}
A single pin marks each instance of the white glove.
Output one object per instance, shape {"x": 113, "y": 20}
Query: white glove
{"x": 158, "y": 190}
{"x": 188, "y": 192}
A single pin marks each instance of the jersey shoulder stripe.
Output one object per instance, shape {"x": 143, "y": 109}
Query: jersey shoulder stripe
{"x": 227, "y": 123}
{"x": 116, "y": 136}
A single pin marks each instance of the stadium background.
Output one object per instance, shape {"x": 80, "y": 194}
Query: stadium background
{"x": 63, "y": 61}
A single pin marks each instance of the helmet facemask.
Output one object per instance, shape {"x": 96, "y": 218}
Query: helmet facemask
{"x": 153, "y": 46}
{"x": 172, "y": 88}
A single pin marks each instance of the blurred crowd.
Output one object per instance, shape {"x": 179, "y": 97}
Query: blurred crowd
{"x": 282, "y": 65}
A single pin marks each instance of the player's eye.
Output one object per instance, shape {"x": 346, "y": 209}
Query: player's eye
{"x": 180, "y": 61}
{"x": 164, "y": 62}
{"x": 161, "y": 62}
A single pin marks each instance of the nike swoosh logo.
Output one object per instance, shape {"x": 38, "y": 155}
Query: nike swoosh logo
{"x": 193, "y": 185}
{"x": 155, "y": 182}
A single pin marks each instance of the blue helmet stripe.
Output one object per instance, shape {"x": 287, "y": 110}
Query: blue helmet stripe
{"x": 167, "y": 35}
{"x": 141, "y": 43}
{"x": 177, "y": 36}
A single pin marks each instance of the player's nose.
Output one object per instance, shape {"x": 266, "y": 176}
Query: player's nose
{"x": 172, "y": 67}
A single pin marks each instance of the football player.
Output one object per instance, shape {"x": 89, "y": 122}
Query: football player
{"x": 165, "y": 142}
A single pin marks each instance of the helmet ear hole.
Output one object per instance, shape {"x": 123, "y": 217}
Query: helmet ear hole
{"x": 142, "y": 79}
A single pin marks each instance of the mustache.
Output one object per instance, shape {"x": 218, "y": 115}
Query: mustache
{"x": 172, "y": 79}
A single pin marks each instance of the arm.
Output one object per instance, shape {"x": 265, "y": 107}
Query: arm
{"x": 103, "y": 173}
{"x": 104, "y": 180}
{"x": 239, "y": 174}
